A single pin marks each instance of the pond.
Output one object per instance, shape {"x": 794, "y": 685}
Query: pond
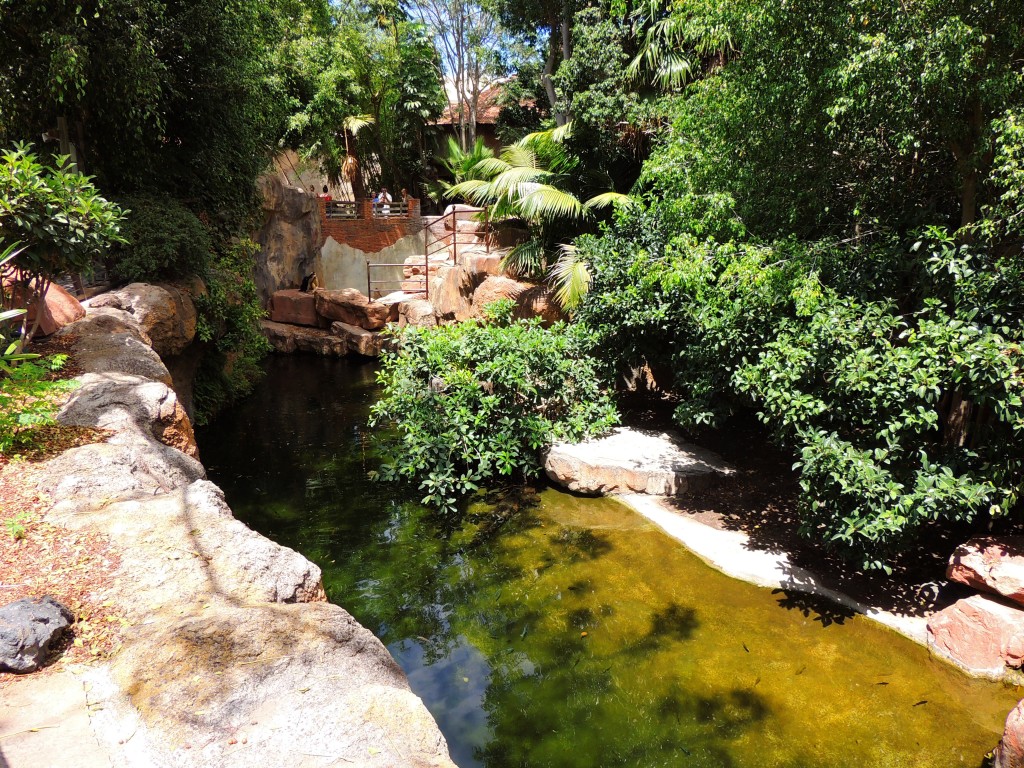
{"x": 547, "y": 629}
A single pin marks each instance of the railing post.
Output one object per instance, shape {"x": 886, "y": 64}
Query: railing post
{"x": 368, "y": 283}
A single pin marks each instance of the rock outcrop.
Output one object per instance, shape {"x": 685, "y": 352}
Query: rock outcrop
{"x": 359, "y": 340}
{"x": 288, "y": 339}
{"x": 633, "y": 461}
{"x": 982, "y": 635}
{"x": 166, "y": 314}
{"x": 28, "y": 627}
{"x": 351, "y": 306}
{"x": 293, "y": 306}
{"x": 289, "y": 237}
{"x": 991, "y": 564}
{"x": 1010, "y": 752}
{"x": 228, "y": 637}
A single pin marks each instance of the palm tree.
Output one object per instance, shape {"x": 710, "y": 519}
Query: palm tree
{"x": 538, "y": 182}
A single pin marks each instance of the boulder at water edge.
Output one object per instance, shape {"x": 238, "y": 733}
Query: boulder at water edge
{"x": 1010, "y": 752}
{"x": 166, "y": 314}
{"x": 634, "y": 461}
{"x": 293, "y": 306}
{"x": 350, "y": 306}
{"x": 28, "y": 628}
{"x": 991, "y": 564}
{"x": 982, "y": 635}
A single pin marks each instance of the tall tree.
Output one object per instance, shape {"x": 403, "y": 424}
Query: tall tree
{"x": 468, "y": 38}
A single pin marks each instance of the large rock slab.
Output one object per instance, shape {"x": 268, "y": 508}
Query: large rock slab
{"x": 107, "y": 343}
{"x": 289, "y": 339}
{"x": 119, "y": 402}
{"x": 531, "y": 300}
{"x": 166, "y": 314}
{"x": 991, "y": 564}
{"x": 294, "y": 306}
{"x": 263, "y": 687}
{"x": 980, "y": 634}
{"x": 1010, "y": 752}
{"x": 451, "y": 292}
{"x": 418, "y": 313}
{"x": 634, "y": 461}
{"x": 28, "y": 628}
{"x": 359, "y": 340}
{"x": 289, "y": 236}
{"x": 351, "y": 306}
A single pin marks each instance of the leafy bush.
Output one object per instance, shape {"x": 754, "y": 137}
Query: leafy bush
{"x": 477, "y": 401}
{"x": 229, "y": 320}
{"x": 56, "y": 215}
{"x": 165, "y": 241}
{"x": 28, "y": 399}
{"x": 903, "y": 405}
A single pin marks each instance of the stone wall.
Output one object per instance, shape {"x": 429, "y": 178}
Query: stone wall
{"x": 289, "y": 237}
{"x": 341, "y": 265}
{"x": 368, "y": 233}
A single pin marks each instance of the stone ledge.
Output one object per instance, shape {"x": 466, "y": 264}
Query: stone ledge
{"x": 634, "y": 461}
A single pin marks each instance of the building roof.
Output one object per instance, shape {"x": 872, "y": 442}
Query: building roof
{"x": 487, "y": 109}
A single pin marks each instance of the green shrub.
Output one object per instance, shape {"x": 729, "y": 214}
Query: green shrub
{"x": 29, "y": 399}
{"x": 229, "y": 321}
{"x": 477, "y": 401}
{"x": 165, "y": 241}
{"x": 893, "y": 372}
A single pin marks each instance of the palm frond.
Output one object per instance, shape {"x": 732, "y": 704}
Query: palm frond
{"x": 570, "y": 277}
{"x": 525, "y": 260}
{"x": 356, "y": 123}
{"x": 489, "y": 167}
{"x": 477, "y": 191}
{"x": 606, "y": 199}
{"x": 546, "y": 203}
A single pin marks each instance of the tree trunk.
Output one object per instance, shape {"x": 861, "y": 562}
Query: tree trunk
{"x": 549, "y": 70}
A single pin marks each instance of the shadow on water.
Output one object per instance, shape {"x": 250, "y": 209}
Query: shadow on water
{"x": 546, "y": 629}
{"x": 824, "y": 611}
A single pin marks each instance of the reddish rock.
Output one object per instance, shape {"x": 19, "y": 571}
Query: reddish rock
{"x": 531, "y": 300}
{"x": 538, "y": 301}
{"x": 981, "y": 634}
{"x": 294, "y": 307}
{"x": 60, "y": 308}
{"x": 481, "y": 264}
{"x": 495, "y": 288}
{"x": 417, "y": 313}
{"x": 359, "y": 340}
{"x": 1010, "y": 752}
{"x": 352, "y": 307}
{"x": 992, "y": 565}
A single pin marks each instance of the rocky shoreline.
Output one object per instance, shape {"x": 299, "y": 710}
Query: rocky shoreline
{"x": 230, "y": 654}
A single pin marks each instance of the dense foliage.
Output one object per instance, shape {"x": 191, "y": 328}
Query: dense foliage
{"x": 58, "y": 219}
{"x": 832, "y": 239}
{"x": 475, "y": 402}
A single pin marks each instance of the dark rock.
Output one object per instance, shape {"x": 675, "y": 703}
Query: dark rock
{"x": 28, "y": 628}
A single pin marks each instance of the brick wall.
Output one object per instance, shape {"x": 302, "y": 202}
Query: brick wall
{"x": 370, "y": 234}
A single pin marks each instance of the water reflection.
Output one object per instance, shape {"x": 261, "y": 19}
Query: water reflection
{"x": 549, "y": 630}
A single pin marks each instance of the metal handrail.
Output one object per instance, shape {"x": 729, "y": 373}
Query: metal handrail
{"x": 431, "y": 247}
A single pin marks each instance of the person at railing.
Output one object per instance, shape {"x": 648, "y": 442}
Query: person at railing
{"x": 326, "y": 194}
{"x": 381, "y": 202}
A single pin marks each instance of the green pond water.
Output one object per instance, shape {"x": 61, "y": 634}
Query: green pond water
{"x": 552, "y": 630}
